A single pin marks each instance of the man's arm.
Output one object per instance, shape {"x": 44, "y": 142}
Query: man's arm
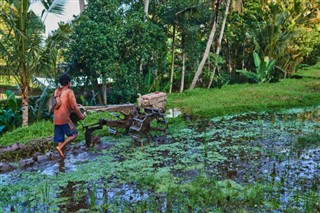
{"x": 74, "y": 105}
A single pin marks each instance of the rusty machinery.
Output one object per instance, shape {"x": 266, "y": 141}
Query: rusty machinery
{"x": 144, "y": 123}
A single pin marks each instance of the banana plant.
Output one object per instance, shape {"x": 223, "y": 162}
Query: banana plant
{"x": 10, "y": 115}
{"x": 264, "y": 69}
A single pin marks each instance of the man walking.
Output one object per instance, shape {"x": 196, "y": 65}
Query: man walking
{"x": 62, "y": 122}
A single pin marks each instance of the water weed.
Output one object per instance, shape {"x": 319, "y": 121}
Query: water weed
{"x": 244, "y": 163}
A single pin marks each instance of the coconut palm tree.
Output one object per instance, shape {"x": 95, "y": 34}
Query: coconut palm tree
{"x": 208, "y": 47}
{"x": 22, "y": 44}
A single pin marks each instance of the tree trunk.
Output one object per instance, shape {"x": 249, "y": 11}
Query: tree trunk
{"x": 206, "y": 52}
{"x": 25, "y": 105}
{"x": 104, "y": 92}
{"x": 104, "y": 89}
{"x": 220, "y": 40}
{"x": 146, "y": 10}
{"x": 146, "y": 7}
{"x": 229, "y": 58}
{"x": 155, "y": 58}
{"x": 172, "y": 60}
{"x": 81, "y": 4}
{"x": 237, "y": 6}
{"x": 183, "y": 70}
{"x": 242, "y": 60}
{"x": 24, "y": 74}
{"x": 141, "y": 66}
{"x": 96, "y": 87}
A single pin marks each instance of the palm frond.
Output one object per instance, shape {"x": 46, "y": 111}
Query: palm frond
{"x": 256, "y": 58}
{"x": 60, "y": 35}
{"x": 53, "y": 6}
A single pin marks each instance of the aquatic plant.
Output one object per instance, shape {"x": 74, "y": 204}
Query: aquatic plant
{"x": 244, "y": 163}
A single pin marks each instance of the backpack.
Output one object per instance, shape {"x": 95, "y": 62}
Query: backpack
{"x": 55, "y": 101}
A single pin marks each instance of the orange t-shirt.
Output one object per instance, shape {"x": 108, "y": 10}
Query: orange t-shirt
{"x": 68, "y": 104}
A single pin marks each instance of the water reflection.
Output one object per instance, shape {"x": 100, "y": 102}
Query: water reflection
{"x": 68, "y": 164}
{"x": 173, "y": 113}
{"x": 251, "y": 148}
{"x": 62, "y": 167}
{"x": 74, "y": 197}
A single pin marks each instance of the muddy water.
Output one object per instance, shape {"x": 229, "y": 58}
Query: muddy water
{"x": 276, "y": 158}
{"x": 247, "y": 148}
{"x": 76, "y": 155}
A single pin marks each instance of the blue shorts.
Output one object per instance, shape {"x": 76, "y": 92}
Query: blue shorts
{"x": 61, "y": 130}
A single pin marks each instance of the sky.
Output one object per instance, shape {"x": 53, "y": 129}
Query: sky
{"x": 71, "y": 8}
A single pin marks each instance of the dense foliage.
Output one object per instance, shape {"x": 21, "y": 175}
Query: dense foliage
{"x": 204, "y": 103}
{"x": 116, "y": 49}
{"x": 256, "y": 157}
{"x": 117, "y": 40}
{"x": 22, "y": 51}
{"x": 118, "y": 44}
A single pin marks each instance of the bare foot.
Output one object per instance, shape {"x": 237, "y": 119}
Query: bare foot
{"x": 60, "y": 151}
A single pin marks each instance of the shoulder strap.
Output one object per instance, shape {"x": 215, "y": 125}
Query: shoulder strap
{"x": 58, "y": 94}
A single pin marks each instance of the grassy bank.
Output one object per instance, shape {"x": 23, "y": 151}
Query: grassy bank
{"x": 232, "y": 99}
{"x": 44, "y": 129}
{"x": 310, "y": 72}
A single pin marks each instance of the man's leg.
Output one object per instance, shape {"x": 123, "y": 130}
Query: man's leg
{"x": 59, "y": 138}
{"x": 71, "y": 131}
{"x": 60, "y": 150}
{"x": 67, "y": 141}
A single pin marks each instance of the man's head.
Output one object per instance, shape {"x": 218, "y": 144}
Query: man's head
{"x": 64, "y": 79}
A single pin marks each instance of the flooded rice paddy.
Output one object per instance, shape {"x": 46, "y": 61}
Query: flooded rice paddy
{"x": 253, "y": 162}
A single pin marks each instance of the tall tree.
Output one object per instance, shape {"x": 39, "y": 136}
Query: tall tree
{"x": 112, "y": 44}
{"x": 208, "y": 47}
{"x": 172, "y": 57}
{"x": 21, "y": 45}
{"x": 218, "y": 48}
{"x": 183, "y": 70}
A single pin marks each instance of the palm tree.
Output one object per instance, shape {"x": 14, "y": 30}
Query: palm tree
{"x": 188, "y": 10}
{"x": 236, "y": 6}
{"x": 208, "y": 47}
{"x": 218, "y": 48}
{"x": 21, "y": 46}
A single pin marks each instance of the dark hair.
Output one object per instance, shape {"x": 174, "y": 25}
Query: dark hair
{"x": 64, "y": 79}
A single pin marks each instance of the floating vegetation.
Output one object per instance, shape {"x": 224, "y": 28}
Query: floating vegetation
{"x": 253, "y": 162}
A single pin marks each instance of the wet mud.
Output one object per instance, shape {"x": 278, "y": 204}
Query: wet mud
{"x": 41, "y": 154}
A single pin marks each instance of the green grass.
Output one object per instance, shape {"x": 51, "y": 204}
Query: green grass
{"x": 44, "y": 129}
{"x": 310, "y": 72}
{"x": 233, "y": 99}
{"x": 38, "y": 130}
